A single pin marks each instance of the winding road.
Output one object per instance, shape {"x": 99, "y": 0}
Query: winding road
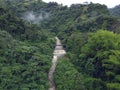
{"x": 58, "y": 53}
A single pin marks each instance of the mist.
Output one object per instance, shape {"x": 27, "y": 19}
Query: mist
{"x": 35, "y": 18}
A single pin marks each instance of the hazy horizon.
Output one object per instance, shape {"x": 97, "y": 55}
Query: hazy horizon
{"x": 108, "y": 3}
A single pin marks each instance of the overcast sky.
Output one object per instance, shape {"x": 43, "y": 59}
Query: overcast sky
{"x": 109, "y": 3}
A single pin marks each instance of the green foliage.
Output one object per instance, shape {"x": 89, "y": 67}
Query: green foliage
{"x": 11, "y": 23}
{"x": 115, "y": 11}
{"x": 24, "y": 66}
{"x": 67, "y": 77}
{"x": 100, "y": 56}
{"x": 77, "y": 39}
{"x": 113, "y": 86}
{"x": 95, "y": 84}
{"x": 6, "y": 40}
{"x": 92, "y": 61}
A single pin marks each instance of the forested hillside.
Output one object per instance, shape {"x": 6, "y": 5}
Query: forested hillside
{"x": 89, "y": 32}
{"x": 115, "y": 11}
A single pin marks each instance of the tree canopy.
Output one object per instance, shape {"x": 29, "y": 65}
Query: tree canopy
{"x": 89, "y": 33}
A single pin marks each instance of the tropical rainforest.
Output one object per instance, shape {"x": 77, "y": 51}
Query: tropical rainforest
{"x": 89, "y": 32}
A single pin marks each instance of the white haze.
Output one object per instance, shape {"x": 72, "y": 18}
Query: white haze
{"x": 35, "y": 18}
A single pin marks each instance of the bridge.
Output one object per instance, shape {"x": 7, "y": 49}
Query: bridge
{"x": 59, "y": 50}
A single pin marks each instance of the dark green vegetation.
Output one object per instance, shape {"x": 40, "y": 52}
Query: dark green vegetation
{"x": 116, "y": 10}
{"x": 25, "y": 53}
{"x": 89, "y": 32}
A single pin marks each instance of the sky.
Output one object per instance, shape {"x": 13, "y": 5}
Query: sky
{"x": 109, "y": 3}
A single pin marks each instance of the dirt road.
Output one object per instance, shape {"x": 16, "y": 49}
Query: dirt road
{"x": 58, "y": 53}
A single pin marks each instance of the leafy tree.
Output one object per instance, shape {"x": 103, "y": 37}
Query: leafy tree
{"x": 67, "y": 77}
{"x": 100, "y": 56}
